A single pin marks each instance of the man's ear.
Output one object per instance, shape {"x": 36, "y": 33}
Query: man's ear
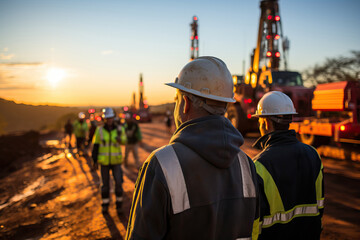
{"x": 267, "y": 123}
{"x": 186, "y": 104}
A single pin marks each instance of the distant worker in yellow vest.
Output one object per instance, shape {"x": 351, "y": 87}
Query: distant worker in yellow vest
{"x": 290, "y": 175}
{"x": 81, "y": 130}
{"x": 107, "y": 152}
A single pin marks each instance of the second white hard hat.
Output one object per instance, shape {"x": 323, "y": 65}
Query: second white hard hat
{"x": 108, "y": 113}
{"x": 206, "y": 77}
{"x": 274, "y": 103}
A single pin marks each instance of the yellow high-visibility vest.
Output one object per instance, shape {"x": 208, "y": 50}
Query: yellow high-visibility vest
{"x": 109, "y": 147}
{"x": 80, "y": 129}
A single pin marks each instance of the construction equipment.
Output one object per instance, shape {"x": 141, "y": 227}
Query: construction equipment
{"x": 337, "y": 119}
{"x": 142, "y": 113}
{"x": 194, "y": 48}
{"x": 264, "y": 74}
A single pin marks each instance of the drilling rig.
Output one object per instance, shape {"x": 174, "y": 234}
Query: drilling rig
{"x": 143, "y": 110}
{"x": 194, "y": 48}
{"x": 142, "y": 113}
{"x": 265, "y": 75}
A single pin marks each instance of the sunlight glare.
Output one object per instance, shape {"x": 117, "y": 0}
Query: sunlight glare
{"x": 55, "y": 75}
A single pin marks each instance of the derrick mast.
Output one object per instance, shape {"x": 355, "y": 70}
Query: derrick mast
{"x": 141, "y": 93}
{"x": 194, "y": 48}
{"x": 266, "y": 55}
{"x": 133, "y": 103}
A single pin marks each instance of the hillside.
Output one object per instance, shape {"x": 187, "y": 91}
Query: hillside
{"x": 21, "y": 117}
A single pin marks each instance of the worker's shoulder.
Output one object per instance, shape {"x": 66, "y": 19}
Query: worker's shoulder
{"x": 161, "y": 152}
{"x": 154, "y": 163}
{"x": 309, "y": 149}
{"x": 264, "y": 155}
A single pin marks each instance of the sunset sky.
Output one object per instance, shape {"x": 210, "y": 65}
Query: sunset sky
{"x": 87, "y": 52}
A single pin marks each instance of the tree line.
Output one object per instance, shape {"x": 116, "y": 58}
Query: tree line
{"x": 336, "y": 69}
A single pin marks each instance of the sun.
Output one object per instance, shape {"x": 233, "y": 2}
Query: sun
{"x": 55, "y": 75}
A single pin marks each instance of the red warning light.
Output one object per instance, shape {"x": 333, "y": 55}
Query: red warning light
{"x": 197, "y": 49}
{"x": 195, "y": 18}
{"x": 270, "y": 17}
{"x": 268, "y": 54}
{"x": 126, "y": 108}
{"x": 247, "y": 100}
{"x": 91, "y": 110}
{"x": 277, "y": 18}
{"x": 196, "y": 37}
{"x": 268, "y": 36}
{"x": 191, "y": 48}
{"x": 192, "y": 38}
{"x": 249, "y": 116}
{"x": 277, "y": 36}
{"x": 277, "y": 54}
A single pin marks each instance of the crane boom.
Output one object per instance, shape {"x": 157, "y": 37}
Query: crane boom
{"x": 266, "y": 55}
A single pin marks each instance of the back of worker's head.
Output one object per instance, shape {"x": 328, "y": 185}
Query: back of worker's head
{"x": 129, "y": 118}
{"x": 277, "y": 108}
{"x": 207, "y": 83}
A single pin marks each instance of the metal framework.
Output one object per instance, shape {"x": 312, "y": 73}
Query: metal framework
{"x": 194, "y": 48}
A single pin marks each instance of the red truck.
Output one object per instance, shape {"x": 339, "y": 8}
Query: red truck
{"x": 337, "y": 115}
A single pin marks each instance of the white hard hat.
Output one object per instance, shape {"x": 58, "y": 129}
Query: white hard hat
{"x": 81, "y": 115}
{"x": 206, "y": 77}
{"x": 108, "y": 113}
{"x": 274, "y": 103}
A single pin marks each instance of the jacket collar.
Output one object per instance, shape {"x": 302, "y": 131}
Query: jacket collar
{"x": 275, "y": 138}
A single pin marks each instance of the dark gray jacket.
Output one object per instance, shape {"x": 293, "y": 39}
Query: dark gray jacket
{"x": 207, "y": 193}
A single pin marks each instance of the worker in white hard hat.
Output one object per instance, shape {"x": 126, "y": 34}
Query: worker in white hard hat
{"x": 290, "y": 174}
{"x": 200, "y": 185}
{"x": 107, "y": 152}
{"x": 81, "y": 130}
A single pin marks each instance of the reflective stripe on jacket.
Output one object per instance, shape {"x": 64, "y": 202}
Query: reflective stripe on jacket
{"x": 109, "y": 151}
{"x": 179, "y": 196}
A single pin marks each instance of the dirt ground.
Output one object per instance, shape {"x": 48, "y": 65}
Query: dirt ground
{"x": 55, "y": 195}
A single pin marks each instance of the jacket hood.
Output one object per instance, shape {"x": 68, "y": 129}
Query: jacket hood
{"x": 213, "y": 137}
{"x": 275, "y": 138}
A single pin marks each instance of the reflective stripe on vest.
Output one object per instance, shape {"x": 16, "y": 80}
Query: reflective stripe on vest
{"x": 174, "y": 178}
{"x": 248, "y": 238}
{"x": 248, "y": 184}
{"x": 101, "y": 133}
{"x": 298, "y": 211}
{"x": 109, "y": 144}
{"x": 108, "y": 154}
